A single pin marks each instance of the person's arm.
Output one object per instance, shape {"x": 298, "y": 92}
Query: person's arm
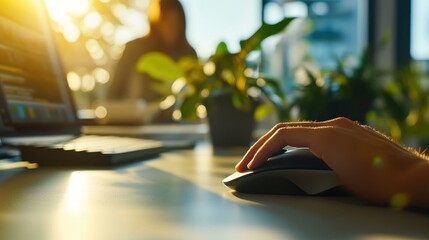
{"x": 368, "y": 163}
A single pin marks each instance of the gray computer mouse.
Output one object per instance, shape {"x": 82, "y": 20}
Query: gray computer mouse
{"x": 294, "y": 172}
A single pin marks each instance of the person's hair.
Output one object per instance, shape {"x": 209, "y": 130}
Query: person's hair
{"x": 159, "y": 8}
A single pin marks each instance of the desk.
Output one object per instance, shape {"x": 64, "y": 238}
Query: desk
{"x": 180, "y": 196}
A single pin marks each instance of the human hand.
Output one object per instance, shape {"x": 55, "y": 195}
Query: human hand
{"x": 368, "y": 163}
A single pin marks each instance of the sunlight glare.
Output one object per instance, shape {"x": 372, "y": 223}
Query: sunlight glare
{"x": 119, "y": 10}
{"x": 76, "y": 190}
{"x": 56, "y": 10}
{"x": 71, "y": 32}
{"x": 92, "y": 20}
{"x": 77, "y": 7}
{"x": 59, "y": 9}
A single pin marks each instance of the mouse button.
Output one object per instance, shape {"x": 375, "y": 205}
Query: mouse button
{"x": 311, "y": 181}
{"x": 233, "y": 177}
{"x": 272, "y": 182}
{"x": 295, "y": 159}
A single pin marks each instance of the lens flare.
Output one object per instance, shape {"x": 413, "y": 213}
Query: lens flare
{"x": 399, "y": 200}
{"x": 377, "y": 161}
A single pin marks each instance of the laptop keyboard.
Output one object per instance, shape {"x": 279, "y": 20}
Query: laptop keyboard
{"x": 90, "y": 150}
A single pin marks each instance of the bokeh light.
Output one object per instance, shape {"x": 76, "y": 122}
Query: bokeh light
{"x": 261, "y": 82}
{"x": 377, "y": 161}
{"x": 73, "y": 80}
{"x": 100, "y": 112}
{"x": 178, "y": 85}
{"x": 209, "y": 68}
{"x": 399, "y": 200}
{"x": 88, "y": 83}
{"x": 167, "y": 102}
{"x": 92, "y": 20}
{"x": 177, "y": 115}
{"x": 205, "y": 93}
{"x": 91, "y": 36}
{"x": 201, "y": 112}
{"x": 101, "y": 75}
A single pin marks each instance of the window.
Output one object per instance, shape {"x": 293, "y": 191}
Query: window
{"x": 338, "y": 29}
{"x": 419, "y": 48}
{"x": 212, "y": 21}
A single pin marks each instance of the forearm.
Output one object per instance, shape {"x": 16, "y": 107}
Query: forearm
{"x": 398, "y": 185}
{"x": 410, "y": 187}
{"x": 418, "y": 181}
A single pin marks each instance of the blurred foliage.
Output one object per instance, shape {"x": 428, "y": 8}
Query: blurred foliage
{"x": 404, "y": 112}
{"x": 351, "y": 90}
{"x": 194, "y": 82}
{"x": 396, "y": 102}
{"x": 393, "y": 101}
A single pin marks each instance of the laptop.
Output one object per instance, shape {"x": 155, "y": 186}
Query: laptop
{"x": 37, "y": 113}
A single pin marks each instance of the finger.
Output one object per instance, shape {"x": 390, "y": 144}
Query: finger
{"x": 311, "y": 137}
{"x": 242, "y": 165}
{"x": 340, "y": 123}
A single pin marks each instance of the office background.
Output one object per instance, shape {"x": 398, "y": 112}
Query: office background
{"x": 92, "y": 36}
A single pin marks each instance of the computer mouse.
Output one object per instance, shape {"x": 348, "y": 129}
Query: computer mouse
{"x": 294, "y": 172}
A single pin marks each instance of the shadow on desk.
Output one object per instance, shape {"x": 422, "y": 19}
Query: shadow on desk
{"x": 342, "y": 217}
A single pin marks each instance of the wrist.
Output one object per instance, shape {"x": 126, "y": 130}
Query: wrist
{"x": 416, "y": 181}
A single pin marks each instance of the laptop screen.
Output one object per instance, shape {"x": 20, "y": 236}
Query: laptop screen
{"x": 34, "y": 95}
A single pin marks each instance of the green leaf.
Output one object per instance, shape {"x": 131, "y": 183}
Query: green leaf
{"x": 187, "y": 63}
{"x": 159, "y": 66}
{"x": 221, "y": 49}
{"x": 262, "y": 111}
{"x": 161, "y": 87}
{"x": 188, "y": 107}
{"x": 266, "y": 30}
{"x": 240, "y": 101}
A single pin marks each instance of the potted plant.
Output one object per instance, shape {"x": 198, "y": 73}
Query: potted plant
{"x": 350, "y": 91}
{"x": 395, "y": 102}
{"x": 224, "y": 84}
{"x": 405, "y": 106}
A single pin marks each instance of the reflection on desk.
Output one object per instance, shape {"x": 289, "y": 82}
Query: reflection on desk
{"x": 180, "y": 196}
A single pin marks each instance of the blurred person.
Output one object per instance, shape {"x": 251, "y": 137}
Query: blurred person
{"x": 167, "y": 34}
{"x": 368, "y": 163}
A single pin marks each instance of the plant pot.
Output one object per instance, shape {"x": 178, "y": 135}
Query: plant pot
{"x": 229, "y": 126}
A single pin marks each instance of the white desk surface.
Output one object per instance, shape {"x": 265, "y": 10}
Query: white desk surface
{"x": 180, "y": 196}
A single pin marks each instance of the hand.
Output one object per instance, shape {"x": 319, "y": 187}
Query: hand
{"x": 368, "y": 163}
